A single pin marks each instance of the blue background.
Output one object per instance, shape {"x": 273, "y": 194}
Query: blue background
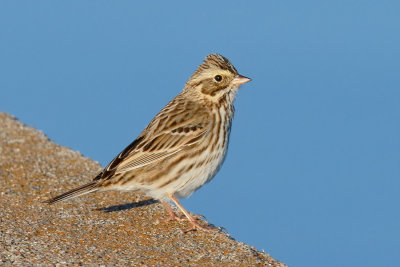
{"x": 312, "y": 175}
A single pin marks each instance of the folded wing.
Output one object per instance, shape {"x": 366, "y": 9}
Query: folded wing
{"x": 171, "y": 131}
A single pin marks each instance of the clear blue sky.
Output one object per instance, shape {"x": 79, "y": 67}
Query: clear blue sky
{"x": 312, "y": 175}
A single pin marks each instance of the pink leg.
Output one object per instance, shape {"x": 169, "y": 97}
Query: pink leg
{"x": 172, "y": 215}
{"x": 192, "y": 219}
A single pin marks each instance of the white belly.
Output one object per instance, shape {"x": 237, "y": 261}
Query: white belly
{"x": 197, "y": 177}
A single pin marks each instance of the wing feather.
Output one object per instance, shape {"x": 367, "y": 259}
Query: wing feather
{"x": 171, "y": 131}
{"x": 173, "y": 143}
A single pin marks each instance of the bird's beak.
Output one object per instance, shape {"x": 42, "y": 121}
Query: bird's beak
{"x": 239, "y": 80}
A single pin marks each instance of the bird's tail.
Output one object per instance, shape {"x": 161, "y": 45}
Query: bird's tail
{"x": 83, "y": 190}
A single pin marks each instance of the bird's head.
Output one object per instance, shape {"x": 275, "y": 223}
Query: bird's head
{"x": 216, "y": 77}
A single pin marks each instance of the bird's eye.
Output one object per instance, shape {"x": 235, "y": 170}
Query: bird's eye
{"x": 218, "y": 78}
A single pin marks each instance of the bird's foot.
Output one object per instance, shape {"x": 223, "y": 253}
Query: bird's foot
{"x": 195, "y": 220}
{"x": 197, "y": 226}
{"x": 173, "y": 217}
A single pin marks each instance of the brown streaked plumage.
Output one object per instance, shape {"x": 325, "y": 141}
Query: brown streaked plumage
{"x": 183, "y": 147}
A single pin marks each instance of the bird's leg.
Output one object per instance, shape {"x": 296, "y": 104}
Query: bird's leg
{"x": 191, "y": 218}
{"x": 172, "y": 215}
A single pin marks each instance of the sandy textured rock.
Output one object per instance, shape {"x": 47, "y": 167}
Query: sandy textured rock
{"x": 103, "y": 228}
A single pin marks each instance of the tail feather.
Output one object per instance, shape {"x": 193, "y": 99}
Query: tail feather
{"x": 83, "y": 190}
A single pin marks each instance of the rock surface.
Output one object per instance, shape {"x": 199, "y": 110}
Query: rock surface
{"x": 102, "y": 228}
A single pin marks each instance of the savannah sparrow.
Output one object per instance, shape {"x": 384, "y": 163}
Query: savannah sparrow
{"x": 183, "y": 147}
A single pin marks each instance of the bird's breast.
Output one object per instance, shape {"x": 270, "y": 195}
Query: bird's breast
{"x": 211, "y": 155}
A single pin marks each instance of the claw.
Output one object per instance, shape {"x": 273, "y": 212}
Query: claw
{"x": 193, "y": 219}
{"x": 171, "y": 218}
{"x": 198, "y": 217}
{"x": 196, "y": 226}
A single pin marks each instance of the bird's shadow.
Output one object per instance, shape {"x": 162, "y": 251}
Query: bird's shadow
{"x": 128, "y": 206}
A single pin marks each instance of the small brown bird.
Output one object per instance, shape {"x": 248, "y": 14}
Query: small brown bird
{"x": 182, "y": 148}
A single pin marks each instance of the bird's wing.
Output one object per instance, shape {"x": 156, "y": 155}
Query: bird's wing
{"x": 172, "y": 130}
